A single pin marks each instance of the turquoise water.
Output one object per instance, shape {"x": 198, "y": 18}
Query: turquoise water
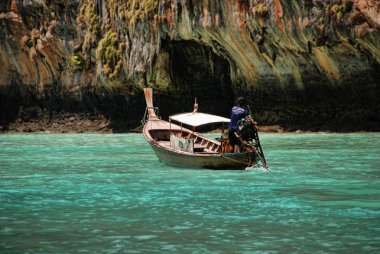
{"x": 91, "y": 193}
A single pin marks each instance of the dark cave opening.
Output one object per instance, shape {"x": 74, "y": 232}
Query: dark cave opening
{"x": 196, "y": 72}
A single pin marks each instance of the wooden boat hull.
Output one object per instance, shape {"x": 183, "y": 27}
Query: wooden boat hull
{"x": 214, "y": 161}
{"x": 182, "y": 147}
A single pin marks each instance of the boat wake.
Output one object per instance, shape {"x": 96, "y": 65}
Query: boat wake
{"x": 258, "y": 168}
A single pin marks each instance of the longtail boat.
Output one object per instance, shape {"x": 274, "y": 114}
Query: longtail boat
{"x": 179, "y": 146}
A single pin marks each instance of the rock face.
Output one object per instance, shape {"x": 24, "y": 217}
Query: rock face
{"x": 303, "y": 64}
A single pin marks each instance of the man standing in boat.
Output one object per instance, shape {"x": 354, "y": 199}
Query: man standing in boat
{"x": 238, "y": 112}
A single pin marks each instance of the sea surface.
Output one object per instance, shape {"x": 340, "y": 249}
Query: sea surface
{"x": 93, "y": 193}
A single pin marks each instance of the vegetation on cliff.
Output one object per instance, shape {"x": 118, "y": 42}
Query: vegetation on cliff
{"x": 107, "y": 28}
{"x": 298, "y": 60}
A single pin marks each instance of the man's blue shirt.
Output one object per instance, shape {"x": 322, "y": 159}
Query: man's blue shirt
{"x": 237, "y": 114}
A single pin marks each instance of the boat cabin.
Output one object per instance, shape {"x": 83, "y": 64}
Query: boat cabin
{"x": 179, "y": 138}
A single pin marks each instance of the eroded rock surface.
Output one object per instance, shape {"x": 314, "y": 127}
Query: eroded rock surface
{"x": 310, "y": 65}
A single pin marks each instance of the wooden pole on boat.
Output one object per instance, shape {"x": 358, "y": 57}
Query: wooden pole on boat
{"x": 195, "y": 106}
{"x": 257, "y": 136}
{"x": 260, "y": 157}
{"x": 148, "y": 92}
{"x": 193, "y": 138}
{"x": 258, "y": 153}
{"x": 222, "y": 143}
{"x": 170, "y": 131}
{"x": 195, "y": 110}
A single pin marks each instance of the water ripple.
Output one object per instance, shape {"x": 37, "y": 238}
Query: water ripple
{"x": 108, "y": 193}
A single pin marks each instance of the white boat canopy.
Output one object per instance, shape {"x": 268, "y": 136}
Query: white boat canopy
{"x": 198, "y": 119}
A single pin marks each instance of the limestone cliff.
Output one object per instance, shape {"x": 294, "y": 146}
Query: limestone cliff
{"x": 307, "y": 64}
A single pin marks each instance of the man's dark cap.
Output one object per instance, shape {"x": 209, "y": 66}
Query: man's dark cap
{"x": 240, "y": 99}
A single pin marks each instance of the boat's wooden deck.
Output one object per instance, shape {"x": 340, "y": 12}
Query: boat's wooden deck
{"x": 201, "y": 147}
{"x": 160, "y": 131}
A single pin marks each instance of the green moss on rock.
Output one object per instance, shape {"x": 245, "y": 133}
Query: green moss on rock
{"x": 77, "y": 61}
{"x": 91, "y": 23}
{"x": 109, "y": 53}
{"x": 140, "y": 10}
{"x": 260, "y": 9}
